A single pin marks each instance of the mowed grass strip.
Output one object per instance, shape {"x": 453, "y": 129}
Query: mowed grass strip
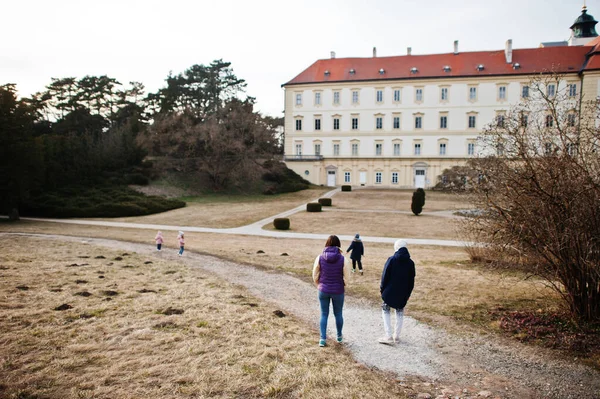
{"x": 399, "y": 200}
{"x": 223, "y": 211}
{"x": 153, "y": 330}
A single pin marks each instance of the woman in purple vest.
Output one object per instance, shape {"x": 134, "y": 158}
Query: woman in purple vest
{"x": 329, "y": 273}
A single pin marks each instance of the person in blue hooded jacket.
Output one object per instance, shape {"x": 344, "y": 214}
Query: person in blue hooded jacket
{"x": 397, "y": 283}
{"x": 330, "y": 275}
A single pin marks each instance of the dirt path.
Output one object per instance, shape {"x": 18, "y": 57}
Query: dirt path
{"x": 429, "y": 360}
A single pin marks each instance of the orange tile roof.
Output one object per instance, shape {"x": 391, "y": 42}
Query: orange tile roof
{"x": 562, "y": 59}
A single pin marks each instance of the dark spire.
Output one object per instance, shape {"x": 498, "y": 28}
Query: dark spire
{"x": 584, "y": 25}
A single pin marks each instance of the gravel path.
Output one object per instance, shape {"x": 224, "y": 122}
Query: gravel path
{"x": 431, "y": 361}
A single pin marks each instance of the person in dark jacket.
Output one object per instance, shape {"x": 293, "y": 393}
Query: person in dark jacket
{"x": 397, "y": 283}
{"x": 329, "y": 273}
{"x": 358, "y": 250}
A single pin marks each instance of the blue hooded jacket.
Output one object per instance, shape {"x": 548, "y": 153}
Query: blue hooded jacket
{"x": 398, "y": 279}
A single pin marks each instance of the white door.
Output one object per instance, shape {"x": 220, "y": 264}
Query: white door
{"x": 363, "y": 178}
{"x": 331, "y": 178}
{"x": 420, "y": 178}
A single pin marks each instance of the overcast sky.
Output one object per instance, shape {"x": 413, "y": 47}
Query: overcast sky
{"x": 268, "y": 42}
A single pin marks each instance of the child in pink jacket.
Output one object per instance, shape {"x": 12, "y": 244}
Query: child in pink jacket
{"x": 159, "y": 240}
{"x": 181, "y": 240}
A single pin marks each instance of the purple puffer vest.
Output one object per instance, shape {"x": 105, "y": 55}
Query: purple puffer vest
{"x": 331, "y": 279}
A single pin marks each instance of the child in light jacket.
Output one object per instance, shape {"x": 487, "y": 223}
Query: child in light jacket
{"x": 159, "y": 240}
{"x": 181, "y": 240}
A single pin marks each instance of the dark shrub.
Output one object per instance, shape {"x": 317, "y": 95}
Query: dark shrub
{"x": 418, "y": 200}
{"x": 282, "y": 223}
{"x": 346, "y": 188}
{"x": 138, "y": 179}
{"x": 270, "y": 190}
{"x": 325, "y": 201}
{"x": 313, "y": 207}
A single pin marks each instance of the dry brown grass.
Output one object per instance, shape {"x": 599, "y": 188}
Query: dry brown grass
{"x": 376, "y": 224}
{"x": 398, "y": 200}
{"x": 225, "y": 343}
{"x": 227, "y": 211}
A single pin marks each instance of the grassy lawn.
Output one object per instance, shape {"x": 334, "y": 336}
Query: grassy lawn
{"x": 153, "y": 329}
{"x": 398, "y": 200}
{"x": 225, "y": 211}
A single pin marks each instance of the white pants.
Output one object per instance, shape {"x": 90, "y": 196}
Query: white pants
{"x": 387, "y": 323}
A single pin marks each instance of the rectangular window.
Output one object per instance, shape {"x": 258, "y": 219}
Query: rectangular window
{"x": 419, "y": 95}
{"x": 417, "y": 149}
{"x": 394, "y": 177}
{"x": 551, "y": 90}
{"x": 354, "y": 150}
{"x": 347, "y": 177}
{"x": 502, "y": 93}
{"x": 377, "y": 177}
{"x": 354, "y": 123}
{"x": 298, "y": 149}
{"x": 444, "y": 94}
{"x": 336, "y": 150}
{"x": 549, "y": 121}
{"x": 472, "y": 121}
{"x": 379, "y": 122}
{"x": 524, "y": 120}
{"x": 443, "y": 122}
{"x": 298, "y": 124}
{"x": 336, "y": 97}
{"x": 571, "y": 120}
{"x": 572, "y": 149}
{"x": 525, "y": 92}
{"x": 397, "y": 95}
{"x": 355, "y": 97}
{"x": 418, "y": 122}
{"x": 379, "y": 96}
{"x": 572, "y": 90}
{"x": 472, "y": 93}
{"x": 471, "y": 149}
{"x": 317, "y": 98}
{"x": 336, "y": 123}
{"x": 397, "y": 149}
{"x": 396, "y": 122}
{"x": 548, "y": 149}
{"x": 298, "y": 99}
{"x": 317, "y": 149}
{"x": 378, "y": 149}
{"x": 317, "y": 124}
{"x": 500, "y": 120}
{"x": 442, "y": 148}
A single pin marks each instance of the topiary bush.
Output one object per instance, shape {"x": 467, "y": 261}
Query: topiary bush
{"x": 281, "y": 223}
{"x": 418, "y": 200}
{"x": 346, "y": 188}
{"x": 313, "y": 207}
{"x": 325, "y": 201}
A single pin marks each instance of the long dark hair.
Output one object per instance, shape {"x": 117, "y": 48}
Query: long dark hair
{"x": 333, "y": 241}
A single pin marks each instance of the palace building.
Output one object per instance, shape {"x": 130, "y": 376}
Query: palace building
{"x": 400, "y": 121}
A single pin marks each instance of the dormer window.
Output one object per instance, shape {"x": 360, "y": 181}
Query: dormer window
{"x": 447, "y": 68}
{"x": 352, "y": 71}
{"x": 516, "y": 65}
{"x": 381, "y": 71}
{"x": 414, "y": 70}
{"x": 327, "y": 73}
{"x": 480, "y": 67}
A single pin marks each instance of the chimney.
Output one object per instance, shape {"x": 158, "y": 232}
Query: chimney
{"x": 508, "y": 51}
{"x": 374, "y": 52}
{"x": 455, "y": 47}
{"x": 408, "y": 50}
{"x": 333, "y": 54}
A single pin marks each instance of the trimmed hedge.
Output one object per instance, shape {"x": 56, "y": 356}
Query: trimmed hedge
{"x": 281, "y": 223}
{"x": 346, "y": 188}
{"x": 325, "y": 201}
{"x": 313, "y": 207}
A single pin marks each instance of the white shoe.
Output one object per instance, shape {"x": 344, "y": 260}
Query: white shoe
{"x": 397, "y": 339}
{"x": 386, "y": 341}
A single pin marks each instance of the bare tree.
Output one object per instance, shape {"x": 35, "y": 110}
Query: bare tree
{"x": 539, "y": 191}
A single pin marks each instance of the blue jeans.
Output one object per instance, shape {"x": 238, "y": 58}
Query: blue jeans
{"x": 338, "y": 304}
{"x": 181, "y": 250}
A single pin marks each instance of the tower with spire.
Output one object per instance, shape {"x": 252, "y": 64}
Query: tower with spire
{"x": 583, "y": 29}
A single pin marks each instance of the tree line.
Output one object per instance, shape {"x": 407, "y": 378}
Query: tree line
{"x": 84, "y": 131}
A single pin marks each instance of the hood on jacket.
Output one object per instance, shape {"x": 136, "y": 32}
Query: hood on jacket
{"x": 331, "y": 254}
{"x": 402, "y": 253}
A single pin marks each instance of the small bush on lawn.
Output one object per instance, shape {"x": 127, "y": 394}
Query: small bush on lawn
{"x": 313, "y": 207}
{"x": 325, "y": 201}
{"x": 281, "y": 223}
{"x": 346, "y": 188}
{"x": 418, "y": 200}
